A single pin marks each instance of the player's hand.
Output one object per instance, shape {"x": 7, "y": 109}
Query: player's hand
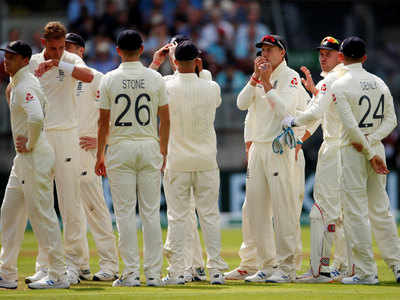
{"x": 20, "y": 144}
{"x": 257, "y": 64}
{"x": 87, "y": 143}
{"x": 287, "y": 122}
{"x": 45, "y": 66}
{"x": 379, "y": 165}
{"x": 100, "y": 168}
{"x": 358, "y": 146}
{"x": 265, "y": 75}
{"x": 297, "y": 150}
{"x": 160, "y": 55}
{"x": 248, "y": 145}
{"x": 308, "y": 81}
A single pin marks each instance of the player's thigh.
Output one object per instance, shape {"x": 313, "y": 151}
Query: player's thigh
{"x": 206, "y": 190}
{"x": 177, "y": 186}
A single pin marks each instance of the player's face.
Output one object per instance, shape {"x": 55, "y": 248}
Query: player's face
{"x": 273, "y": 54}
{"x": 13, "y": 62}
{"x": 54, "y": 48}
{"x": 73, "y": 48}
{"x": 328, "y": 59}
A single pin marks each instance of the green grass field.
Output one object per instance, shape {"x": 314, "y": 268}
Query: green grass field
{"x": 231, "y": 239}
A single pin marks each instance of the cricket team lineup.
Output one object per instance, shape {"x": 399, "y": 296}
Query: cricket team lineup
{"x": 73, "y": 124}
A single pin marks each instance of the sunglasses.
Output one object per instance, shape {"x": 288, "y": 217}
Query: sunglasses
{"x": 330, "y": 40}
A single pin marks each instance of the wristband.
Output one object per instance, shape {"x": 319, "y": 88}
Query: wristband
{"x": 256, "y": 80}
{"x": 66, "y": 67}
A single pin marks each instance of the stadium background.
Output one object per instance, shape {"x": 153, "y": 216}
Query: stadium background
{"x": 226, "y": 32}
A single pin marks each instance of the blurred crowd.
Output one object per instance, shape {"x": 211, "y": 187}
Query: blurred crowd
{"x": 225, "y": 31}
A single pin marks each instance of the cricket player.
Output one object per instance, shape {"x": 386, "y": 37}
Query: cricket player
{"x": 365, "y": 107}
{"x": 325, "y": 215}
{"x": 58, "y": 72}
{"x": 192, "y": 164}
{"x": 29, "y": 192}
{"x": 249, "y": 261}
{"x": 97, "y": 213}
{"x": 193, "y": 252}
{"x": 131, "y": 97}
{"x": 270, "y": 191}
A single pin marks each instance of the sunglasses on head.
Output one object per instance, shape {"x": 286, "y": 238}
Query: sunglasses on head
{"x": 330, "y": 40}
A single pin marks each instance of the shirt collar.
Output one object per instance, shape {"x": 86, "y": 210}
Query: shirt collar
{"x": 188, "y": 76}
{"x": 356, "y": 66}
{"x": 336, "y": 68}
{"x": 279, "y": 69}
{"x": 44, "y": 58}
{"x": 131, "y": 65}
{"x": 20, "y": 74}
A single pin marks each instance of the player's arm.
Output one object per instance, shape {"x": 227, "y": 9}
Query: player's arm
{"x": 103, "y": 131}
{"x": 163, "y": 114}
{"x": 79, "y": 72}
{"x": 389, "y": 119}
{"x": 159, "y": 57}
{"x": 8, "y": 93}
{"x": 248, "y": 94}
{"x": 31, "y": 105}
{"x": 349, "y": 122}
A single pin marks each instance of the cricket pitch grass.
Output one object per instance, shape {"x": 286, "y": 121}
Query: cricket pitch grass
{"x": 231, "y": 240}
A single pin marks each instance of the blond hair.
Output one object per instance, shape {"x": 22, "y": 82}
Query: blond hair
{"x": 54, "y": 30}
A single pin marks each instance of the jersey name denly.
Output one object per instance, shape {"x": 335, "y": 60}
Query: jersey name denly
{"x": 368, "y": 85}
{"x": 133, "y": 84}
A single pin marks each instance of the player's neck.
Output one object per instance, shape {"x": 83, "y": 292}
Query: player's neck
{"x": 130, "y": 59}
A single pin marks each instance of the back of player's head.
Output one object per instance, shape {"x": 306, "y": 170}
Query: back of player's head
{"x": 329, "y": 43}
{"x": 54, "y": 30}
{"x": 129, "y": 40}
{"x": 19, "y": 47}
{"x": 186, "y": 51}
{"x": 179, "y": 38}
{"x": 75, "y": 38}
{"x": 353, "y": 47}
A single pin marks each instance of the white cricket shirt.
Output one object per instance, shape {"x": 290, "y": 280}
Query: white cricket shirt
{"x": 365, "y": 106}
{"x": 88, "y": 110}
{"x": 26, "y": 102}
{"x": 192, "y": 141}
{"x": 133, "y": 94}
{"x": 59, "y": 88}
{"x": 322, "y": 108}
{"x": 270, "y": 108}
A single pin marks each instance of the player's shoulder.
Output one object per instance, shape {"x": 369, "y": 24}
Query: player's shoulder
{"x": 71, "y": 57}
{"x": 152, "y": 73}
{"x": 379, "y": 81}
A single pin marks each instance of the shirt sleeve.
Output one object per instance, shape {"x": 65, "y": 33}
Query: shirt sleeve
{"x": 102, "y": 95}
{"x": 349, "y": 122}
{"x": 248, "y": 128}
{"x": 162, "y": 93}
{"x": 284, "y": 102}
{"x": 389, "y": 121}
{"x": 246, "y": 97}
{"x": 218, "y": 98}
{"x": 205, "y": 74}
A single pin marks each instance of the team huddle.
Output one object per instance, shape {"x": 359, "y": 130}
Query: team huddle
{"x": 72, "y": 124}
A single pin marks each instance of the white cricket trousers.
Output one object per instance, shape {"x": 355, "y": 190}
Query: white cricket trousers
{"x": 299, "y": 176}
{"x": 177, "y": 186}
{"x": 366, "y": 204}
{"x": 65, "y": 144}
{"x": 326, "y": 214}
{"x": 97, "y": 214}
{"x": 133, "y": 169}
{"x": 29, "y": 194}
{"x": 193, "y": 252}
{"x": 271, "y": 193}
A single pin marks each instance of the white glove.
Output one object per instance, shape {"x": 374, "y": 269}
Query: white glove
{"x": 288, "y": 121}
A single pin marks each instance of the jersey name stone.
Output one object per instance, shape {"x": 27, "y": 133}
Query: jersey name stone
{"x": 133, "y": 84}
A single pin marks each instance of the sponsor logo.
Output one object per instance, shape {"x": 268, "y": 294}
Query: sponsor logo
{"x": 334, "y": 98}
{"x": 29, "y": 97}
{"x": 331, "y": 227}
{"x": 323, "y": 88}
{"x": 98, "y": 95}
{"x": 79, "y": 88}
{"x": 60, "y": 75}
{"x": 294, "y": 82}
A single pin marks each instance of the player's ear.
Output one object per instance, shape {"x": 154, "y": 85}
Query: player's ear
{"x": 141, "y": 49}
{"x": 119, "y": 51}
{"x": 341, "y": 56}
{"x": 82, "y": 51}
{"x": 364, "y": 58}
{"x": 43, "y": 41}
